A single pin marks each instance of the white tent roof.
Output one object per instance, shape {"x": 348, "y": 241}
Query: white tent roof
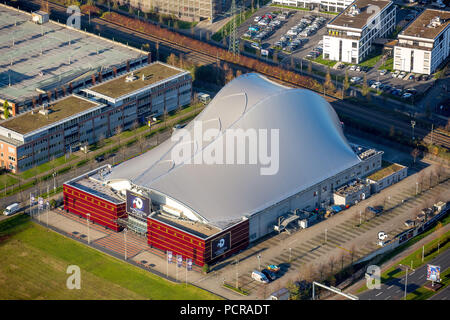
{"x": 312, "y": 148}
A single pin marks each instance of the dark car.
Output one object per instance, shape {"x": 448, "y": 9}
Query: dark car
{"x": 100, "y": 158}
{"x": 376, "y": 210}
{"x": 269, "y": 274}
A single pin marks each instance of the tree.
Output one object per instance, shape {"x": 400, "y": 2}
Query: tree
{"x": 6, "y": 109}
{"x": 115, "y": 5}
{"x": 119, "y": 130}
{"x": 328, "y": 82}
{"x": 365, "y": 86}
{"x": 294, "y": 290}
{"x": 346, "y": 81}
{"x": 309, "y": 67}
{"x": 415, "y": 153}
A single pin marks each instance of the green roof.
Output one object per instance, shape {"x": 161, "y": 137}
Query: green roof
{"x": 387, "y": 169}
{"x": 118, "y": 87}
{"x": 60, "y": 110}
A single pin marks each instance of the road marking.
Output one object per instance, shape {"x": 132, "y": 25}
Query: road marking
{"x": 387, "y": 298}
{"x": 390, "y": 286}
{"x": 421, "y": 276}
{"x": 378, "y": 294}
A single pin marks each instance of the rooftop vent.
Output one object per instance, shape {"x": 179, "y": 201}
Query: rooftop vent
{"x": 353, "y": 11}
{"x": 435, "y": 22}
{"x": 45, "y": 112}
{"x": 131, "y": 78}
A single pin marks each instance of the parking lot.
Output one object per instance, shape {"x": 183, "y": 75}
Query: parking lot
{"x": 288, "y": 32}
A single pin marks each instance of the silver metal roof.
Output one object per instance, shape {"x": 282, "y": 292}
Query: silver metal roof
{"x": 312, "y": 148}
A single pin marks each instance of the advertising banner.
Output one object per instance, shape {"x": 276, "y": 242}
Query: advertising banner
{"x": 433, "y": 273}
{"x": 169, "y": 256}
{"x": 179, "y": 261}
{"x": 138, "y": 205}
{"x": 189, "y": 264}
{"x": 220, "y": 245}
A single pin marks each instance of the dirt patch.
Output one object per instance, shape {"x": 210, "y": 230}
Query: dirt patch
{"x": 4, "y": 238}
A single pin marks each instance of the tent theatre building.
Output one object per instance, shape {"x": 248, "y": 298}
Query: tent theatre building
{"x": 290, "y": 153}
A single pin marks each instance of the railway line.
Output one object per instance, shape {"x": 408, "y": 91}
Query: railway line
{"x": 112, "y": 29}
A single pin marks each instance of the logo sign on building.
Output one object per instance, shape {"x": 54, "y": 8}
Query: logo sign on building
{"x": 137, "y": 204}
{"x": 179, "y": 261}
{"x": 220, "y": 245}
{"x": 189, "y": 264}
{"x": 32, "y": 200}
{"x": 264, "y": 52}
{"x": 433, "y": 273}
{"x": 169, "y": 256}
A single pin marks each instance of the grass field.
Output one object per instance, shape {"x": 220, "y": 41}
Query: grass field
{"x": 34, "y": 263}
{"x": 7, "y": 180}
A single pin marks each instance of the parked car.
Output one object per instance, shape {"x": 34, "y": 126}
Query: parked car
{"x": 411, "y": 77}
{"x": 376, "y": 210}
{"x": 395, "y": 74}
{"x": 273, "y": 268}
{"x": 407, "y": 95}
{"x": 11, "y": 209}
{"x": 257, "y": 18}
{"x": 352, "y": 68}
{"x": 260, "y": 277}
{"x": 401, "y": 75}
{"x": 269, "y": 274}
{"x": 100, "y": 158}
{"x": 383, "y": 72}
{"x": 355, "y": 79}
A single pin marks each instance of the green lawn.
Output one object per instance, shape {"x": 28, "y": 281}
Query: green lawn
{"x": 45, "y": 167}
{"x": 371, "y": 61}
{"x": 388, "y": 65}
{"x": 325, "y": 62}
{"x": 34, "y": 263}
{"x": 7, "y": 180}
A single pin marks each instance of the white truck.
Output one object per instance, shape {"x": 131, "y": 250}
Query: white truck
{"x": 11, "y": 209}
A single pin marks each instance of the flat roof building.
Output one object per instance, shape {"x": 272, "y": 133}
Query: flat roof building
{"x": 424, "y": 44}
{"x": 69, "y": 122}
{"x": 350, "y": 34}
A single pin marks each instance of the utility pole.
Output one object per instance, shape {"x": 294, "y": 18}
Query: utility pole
{"x": 233, "y": 45}
{"x": 259, "y": 262}
{"x": 290, "y": 254}
{"x": 406, "y": 279}
{"x": 413, "y": 123}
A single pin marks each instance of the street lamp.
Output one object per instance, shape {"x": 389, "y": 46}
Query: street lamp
{"x": 290, "y": 254}
{"x": 259, "y": 262}
{"x": 87, "y": 220}
{"x": 125, "y": 241}
{"x": 54, "y": 181}
{"x": 406, "y": 279}
{"x": 413, "y": 123}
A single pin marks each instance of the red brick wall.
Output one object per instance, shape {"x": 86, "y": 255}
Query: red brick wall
{"x": 239, "y": 240}
{"x": 168, "y": 238}
{"x": 101, "y": 211}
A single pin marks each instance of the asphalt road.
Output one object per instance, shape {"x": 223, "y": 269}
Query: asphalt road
{"x": 395, "y": 289}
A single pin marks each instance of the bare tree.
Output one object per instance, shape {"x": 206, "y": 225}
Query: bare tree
{"x": 141, "y": 141}
{"x": 331, "y": 263}
{"x": 119, "y": 130}
{"x": 352, "y": 252}
{"x": 415, "y": 153}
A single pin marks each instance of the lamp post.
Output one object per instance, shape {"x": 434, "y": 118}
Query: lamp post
{"x": 237, "y": 274}
{"x": 54, "y": 181}
{"x": 290, "y": 254}
{"x": 125, "y": 241}
{"x": 259, "y": 262}
{"x": 406, "y": 278}
{"x": 413, "y": 123}
{"x": 87, "y": 220}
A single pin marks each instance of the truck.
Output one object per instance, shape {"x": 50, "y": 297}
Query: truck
{"x": 11, "y": 209}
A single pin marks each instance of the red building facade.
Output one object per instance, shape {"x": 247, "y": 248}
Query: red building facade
{"x": 167, "y": 237}
{"x": 102, "y": 211}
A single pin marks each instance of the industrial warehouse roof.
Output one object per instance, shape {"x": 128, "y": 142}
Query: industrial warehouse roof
{"x": 311, "y": 147}
{"x": 423, "y": 26}
{"x": 58, "y": 111}
{"x": 367, "y": 8}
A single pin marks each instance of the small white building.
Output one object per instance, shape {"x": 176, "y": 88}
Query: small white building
{"x": 424, "y": 44}
{"x": 351, "y": 33}
{"x": 352, "y": 193}
{"x": 389, "y": 174}
{"x": 40, "y": 17}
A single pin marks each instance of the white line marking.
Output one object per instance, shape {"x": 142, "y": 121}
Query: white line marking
{"x": 387, "y": 298}
{"x": 421, "y": 276}
{"x": 390, "y": 286}
{"x": 378, "y": 294}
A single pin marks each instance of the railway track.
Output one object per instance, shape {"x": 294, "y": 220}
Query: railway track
{"x": 202, "y": 58}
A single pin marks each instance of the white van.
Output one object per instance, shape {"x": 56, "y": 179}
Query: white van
{"x": 260, "y": 277}
{"x": 11, "y": 209}
{"x": 204, "y": 97}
